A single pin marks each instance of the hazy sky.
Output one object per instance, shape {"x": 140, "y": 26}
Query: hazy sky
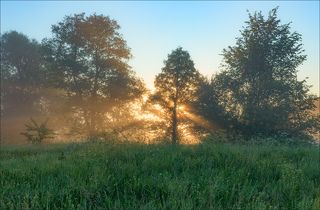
{"x": 154, "y": 29}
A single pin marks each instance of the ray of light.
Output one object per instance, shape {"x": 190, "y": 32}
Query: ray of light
{"x": 199, "y": 120}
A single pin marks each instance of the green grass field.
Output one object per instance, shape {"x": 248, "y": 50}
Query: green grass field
{"x": 134, "y": 176}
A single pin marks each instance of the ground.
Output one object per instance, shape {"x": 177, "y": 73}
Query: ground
{"x": 135, "y": 176}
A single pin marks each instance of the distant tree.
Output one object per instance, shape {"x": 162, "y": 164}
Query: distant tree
{"x": 258, "y": 87}
{"x": 21, "y": 74}
{"x": 88, "y": 58}
{"x": 176, "y": 85}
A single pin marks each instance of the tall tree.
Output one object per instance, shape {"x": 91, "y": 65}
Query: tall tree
{"x": 89, "y": 58}
{"x": 176, "y": 85}
{"x": 259, "y": 86}
{"x": 21, "y": 74}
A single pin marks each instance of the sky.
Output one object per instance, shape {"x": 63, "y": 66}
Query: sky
{"x": 153, "y": 29}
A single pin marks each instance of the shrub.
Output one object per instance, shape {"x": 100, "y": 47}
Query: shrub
{"x": 36, "y": 133}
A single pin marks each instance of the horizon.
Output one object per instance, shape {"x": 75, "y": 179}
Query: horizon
{"x": 153, "y": 29}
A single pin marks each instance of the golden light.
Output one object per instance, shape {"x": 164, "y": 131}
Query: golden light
{"x": 154, "y": 114}
{"x": 199, "y": 120}
{"x": 188, "y": 137}
{"x": 149, "y": 116}
{"x": 181, "y": 108}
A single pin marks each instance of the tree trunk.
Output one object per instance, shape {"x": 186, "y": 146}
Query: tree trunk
{"x": 94, "y": 98}
{"x": 174, "y": 124}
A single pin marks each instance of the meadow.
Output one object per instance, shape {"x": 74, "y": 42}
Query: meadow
{"x": 106, "y": 175}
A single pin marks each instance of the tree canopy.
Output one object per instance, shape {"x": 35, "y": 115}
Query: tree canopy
{"x": 89, "y": 58}
{"x": 81, "y": 79}
{"x": 258, "y": 88}
{"x": 21, "y": 73}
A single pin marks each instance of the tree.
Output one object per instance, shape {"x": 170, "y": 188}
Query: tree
{"x": 88, "y": 58}
{"x": 258, "y": 87}
{"x": 208, "y": 104}
{"x": 21, "y": 74}
{"x": 176, "y": 85}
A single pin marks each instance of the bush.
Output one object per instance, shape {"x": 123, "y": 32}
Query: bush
{"x": 275, "y": 139}
{"x": 36, "y": 133}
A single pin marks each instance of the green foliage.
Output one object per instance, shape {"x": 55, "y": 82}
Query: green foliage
{"x": 20, "y": 59}
{"x": 209, "y": 105}
{"x": 133, "y": 176}
{"x": 278, "y": 139}
{"x": 178, "y": 80}
{"x": 176, "y": 85}
{"x": 258, "y": 89}
{"x": 88, "y": 59}
{"x": 21, "y": 74}
{"x": 36, "y": 133}
{"x": 80, "y": 77}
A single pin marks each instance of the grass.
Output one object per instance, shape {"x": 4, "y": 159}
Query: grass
{"x": 135, "y": 176}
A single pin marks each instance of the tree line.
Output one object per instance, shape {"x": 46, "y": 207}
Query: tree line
{"x": 80, "y": 79}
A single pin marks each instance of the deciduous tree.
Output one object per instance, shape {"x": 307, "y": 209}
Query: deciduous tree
{"x": 176, "y": 85}
{"x": 258, "y": 86}
{"x": 88, "y": 57}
